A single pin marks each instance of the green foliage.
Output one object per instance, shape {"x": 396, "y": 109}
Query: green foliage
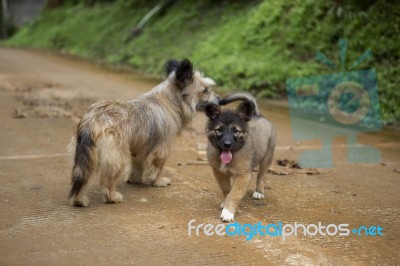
{"x": 253, "y": 46}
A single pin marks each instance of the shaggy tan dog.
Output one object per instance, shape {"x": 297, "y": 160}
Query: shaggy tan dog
{"x": 132, "y": 139}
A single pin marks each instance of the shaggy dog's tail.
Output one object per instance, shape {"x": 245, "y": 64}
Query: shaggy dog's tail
{"x": 83, "y": 162}
{"x": 241, "y": 96}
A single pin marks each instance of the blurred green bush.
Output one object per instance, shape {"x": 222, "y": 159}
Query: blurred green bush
{"x": 253, "y": 45}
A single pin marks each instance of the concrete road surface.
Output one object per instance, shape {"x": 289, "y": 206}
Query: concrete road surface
{"x": 42, "y": 97}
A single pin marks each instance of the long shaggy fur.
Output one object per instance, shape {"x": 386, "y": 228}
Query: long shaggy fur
{"x": 133, "y": 139}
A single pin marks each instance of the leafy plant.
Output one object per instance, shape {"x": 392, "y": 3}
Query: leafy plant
{"x": 253, "y": 46}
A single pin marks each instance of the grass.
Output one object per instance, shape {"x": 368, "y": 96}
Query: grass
{"x": 254, "y": 46}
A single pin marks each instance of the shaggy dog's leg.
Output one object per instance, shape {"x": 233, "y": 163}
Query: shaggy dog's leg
{"x": 114, "y": 162}
{"x": 135, "y": 176}
{"x": 153, "y": 169}
{"x": 110, "y": 194}
{"x": 81, "y": 200}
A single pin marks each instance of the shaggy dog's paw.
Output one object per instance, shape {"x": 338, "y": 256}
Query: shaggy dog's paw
{"x": 132, "y": 181}
{"x": 162, "y": 182}
{"x": 258, "y": 196}
{"x": 114, "y": 198}
{"x": 81, "y": 203}
{"x": 118, "y": 197}
{"x": 227, "y": 216}
{"x": 135, "y": 177}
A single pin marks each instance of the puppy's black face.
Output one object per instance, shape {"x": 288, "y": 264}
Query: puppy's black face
{"x": 227, "y": 130}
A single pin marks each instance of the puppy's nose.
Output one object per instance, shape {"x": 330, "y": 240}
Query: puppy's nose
{"x": 227, "y": 144}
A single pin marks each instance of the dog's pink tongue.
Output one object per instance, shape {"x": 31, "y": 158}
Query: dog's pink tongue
{"x": 226, "y": 157}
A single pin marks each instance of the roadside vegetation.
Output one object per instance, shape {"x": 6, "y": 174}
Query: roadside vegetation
{"x": 249, "y": 45}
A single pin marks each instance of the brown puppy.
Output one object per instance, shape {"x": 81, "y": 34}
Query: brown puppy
{"x": 133, "y": 139}
{"x": 238, "y": 141}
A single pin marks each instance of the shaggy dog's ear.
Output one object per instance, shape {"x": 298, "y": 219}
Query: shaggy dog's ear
{"x": 183, "y": 72}
{"x": 212, "y": 111}
{"x": 246, "y": 110}
{"x": 171, "y": 66}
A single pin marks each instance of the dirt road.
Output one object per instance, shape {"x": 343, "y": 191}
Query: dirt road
{"x": 43, "y": 95}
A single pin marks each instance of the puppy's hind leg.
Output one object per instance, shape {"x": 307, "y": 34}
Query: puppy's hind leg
{"x": 259, "y": 193}
{"x": 262, "y": 173}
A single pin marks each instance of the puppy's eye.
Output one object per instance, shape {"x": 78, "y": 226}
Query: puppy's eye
{"x": 205, "y": 91}
{"x": 219, "y": 130}
{"x": 236, "y": 132}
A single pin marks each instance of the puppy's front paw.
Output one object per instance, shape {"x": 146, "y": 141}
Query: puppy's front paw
{"x": 227, "y": 216}
{"x": 258, "y": 196}
{"x": 161, "y": 182}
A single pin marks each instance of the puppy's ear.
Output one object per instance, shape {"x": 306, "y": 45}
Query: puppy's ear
{"x": 184, "y": 73}
{"x": 171, "y": 66}
{"x": 246, "y": 110}
{"x": 212, "y": 111}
